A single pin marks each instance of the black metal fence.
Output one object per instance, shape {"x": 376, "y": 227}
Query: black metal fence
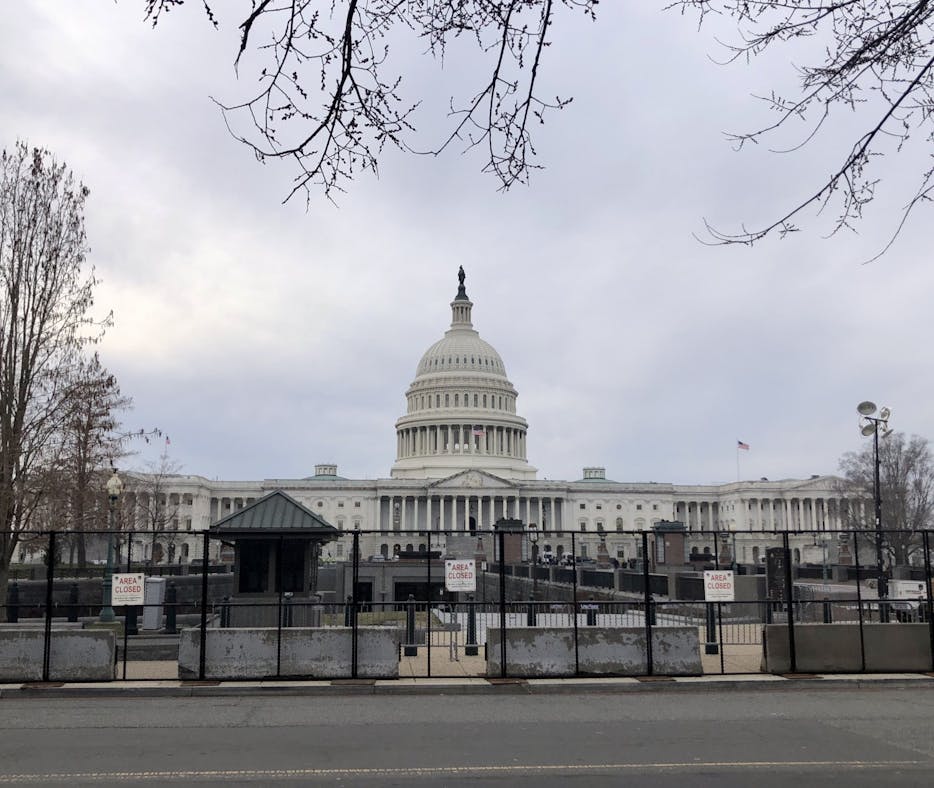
{"x": 776, "y": 580}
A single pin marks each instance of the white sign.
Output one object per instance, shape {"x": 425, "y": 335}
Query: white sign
{"x": 127, "y": 589}
{"x": 460, "y": 575}
{"x": 718, "y": 586}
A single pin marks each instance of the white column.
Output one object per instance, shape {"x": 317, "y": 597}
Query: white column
{"x": 417, "y": 507}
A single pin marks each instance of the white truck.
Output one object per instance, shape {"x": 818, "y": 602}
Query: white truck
{"x": 907, "y": 598}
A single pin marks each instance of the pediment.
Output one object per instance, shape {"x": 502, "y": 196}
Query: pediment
{"x": 473, "y": 480}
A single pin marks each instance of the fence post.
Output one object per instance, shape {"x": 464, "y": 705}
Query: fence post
{"x": 789, "y": 603}
{"x": 502, "y": 603}
{"x": 471, "y": 649}
{"x": 279, "y": 611}
{"x": 354, "y": 601}
{"x": 828, "y": 611}
{"x": 171, "y": 614}
{"x": 410, "y": 649}
{"x": 711, "y": 646}
{"x": 49, "y": 589}
{"x": 926, "y": 537}
{"x": 577, "y": 666}
{"x": 12, "y": 603}
{"x": 647, "y": 601}
{"x": 204, "y": 604}
{"x": 859, "y": 603}
{"x": 225, "y": 610}
{"x": 131, "y": 616}
{"x": 428, "y": 604}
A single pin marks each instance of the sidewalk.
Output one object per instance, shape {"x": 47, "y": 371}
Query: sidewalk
{"x": 468, "y": 685}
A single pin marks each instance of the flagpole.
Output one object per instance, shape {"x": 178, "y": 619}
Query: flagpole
{"x": 737, "y": 462}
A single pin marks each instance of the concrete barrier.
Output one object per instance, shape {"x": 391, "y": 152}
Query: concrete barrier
{"x": 534, "y": 652}
{"x": 74, "y": 655}
{"x": 835, "y": 648}
{"x": 313, "y": 652}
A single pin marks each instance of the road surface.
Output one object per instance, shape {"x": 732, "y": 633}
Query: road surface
{"x": 830, "y": 737}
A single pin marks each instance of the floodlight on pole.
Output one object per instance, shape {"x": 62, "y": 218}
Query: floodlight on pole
{"x": 870, "y": 425}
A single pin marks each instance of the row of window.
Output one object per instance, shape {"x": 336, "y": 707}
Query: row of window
{"x": 496, "y": 401}
{"x": 481, "y": 361}
{"x": 638, "y": 525}
{"x": 599, "y": 507}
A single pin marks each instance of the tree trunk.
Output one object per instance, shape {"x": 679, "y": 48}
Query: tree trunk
{"x": 81, "y": 544}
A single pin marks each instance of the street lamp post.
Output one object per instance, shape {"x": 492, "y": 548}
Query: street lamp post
{"x": 533, "y": 541}
{"x": 870, "y": 426}
{"x": 114, "y": 488}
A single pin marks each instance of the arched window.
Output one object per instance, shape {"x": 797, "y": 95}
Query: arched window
{"x": 476, "y": 400}
{"x": 484, "y": 400}
{"x": 456, "y": 400}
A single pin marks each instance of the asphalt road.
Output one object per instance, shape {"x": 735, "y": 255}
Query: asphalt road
{"x": 774, "y": 738}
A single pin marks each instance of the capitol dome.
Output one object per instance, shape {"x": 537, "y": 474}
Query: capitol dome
{"x": 461, "y": 408}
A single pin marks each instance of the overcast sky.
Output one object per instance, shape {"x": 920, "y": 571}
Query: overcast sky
{"x": 264, "y": 339}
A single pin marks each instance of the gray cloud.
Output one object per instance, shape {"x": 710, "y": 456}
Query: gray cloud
{"x": 264, "y": 339}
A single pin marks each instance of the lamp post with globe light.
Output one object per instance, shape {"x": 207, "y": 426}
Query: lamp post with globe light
{"x": 869, "y": 425}
{"x": 114, "y": 488}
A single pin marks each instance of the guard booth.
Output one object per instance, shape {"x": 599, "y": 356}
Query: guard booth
{"x": 277, "y": 548}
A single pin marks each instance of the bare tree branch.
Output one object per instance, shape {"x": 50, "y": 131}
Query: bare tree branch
{"x": 329, "y": 102}
{"x": 878, "y": 61}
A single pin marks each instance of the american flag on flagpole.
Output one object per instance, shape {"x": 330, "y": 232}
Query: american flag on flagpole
{"x": 741, "y": 445}
{"x": 479, "y": 431}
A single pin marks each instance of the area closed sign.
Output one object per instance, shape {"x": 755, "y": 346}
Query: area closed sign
{"x": 127, "y": 589}
{"x": 718, "y": 586}
{"x": 460, "y": 575}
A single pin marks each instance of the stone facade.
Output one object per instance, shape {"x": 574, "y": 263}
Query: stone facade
{"x": 461, "y": 465}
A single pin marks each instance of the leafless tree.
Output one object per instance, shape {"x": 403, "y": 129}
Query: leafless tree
{"x": 874, "y": 58}
{"x": 45, "y": 301}
{"x": 906, "y": 482}
{"x": 92, "y": 443}
{"x": 156, "y": 512}
{"x": 329, "y": 99}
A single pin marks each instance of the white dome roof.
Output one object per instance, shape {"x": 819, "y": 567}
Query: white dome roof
{"x": 461, "y": 408}
{"x": 461, "y": 350}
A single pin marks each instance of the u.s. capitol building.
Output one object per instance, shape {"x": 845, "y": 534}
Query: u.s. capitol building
{"x": 461, "y": 464}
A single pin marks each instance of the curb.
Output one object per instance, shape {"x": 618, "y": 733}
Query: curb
{"x": 752, "y": 683}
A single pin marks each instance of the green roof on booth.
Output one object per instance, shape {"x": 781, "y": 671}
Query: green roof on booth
{"x": 275, "y": 513}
